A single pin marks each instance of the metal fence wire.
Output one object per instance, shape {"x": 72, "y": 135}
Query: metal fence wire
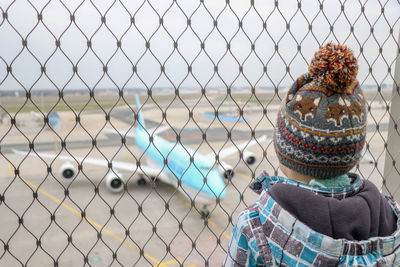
{"x": 93, "y": 176}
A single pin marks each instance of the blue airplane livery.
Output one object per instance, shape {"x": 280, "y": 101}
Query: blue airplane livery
{"x": 188, "y": 171}
{"x": 199, "y": 177}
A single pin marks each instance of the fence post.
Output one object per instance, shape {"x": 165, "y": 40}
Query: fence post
{"x": 391, "y": 183}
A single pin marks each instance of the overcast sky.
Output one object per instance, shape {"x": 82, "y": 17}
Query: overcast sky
{"x": 351, "y": 26}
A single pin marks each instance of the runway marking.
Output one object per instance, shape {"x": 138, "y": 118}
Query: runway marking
{"x": 245, "y": 176}
{"x": 130, "y": 156}
{"x": 210, "y": 222}
{"x": 173, "y": 261}
{"x": 93, "y": 223}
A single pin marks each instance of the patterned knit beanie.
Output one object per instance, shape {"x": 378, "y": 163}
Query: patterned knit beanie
{"x": 321, "y": 125}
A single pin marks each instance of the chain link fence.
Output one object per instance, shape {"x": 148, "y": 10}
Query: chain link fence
{"x": 90, "y": 177}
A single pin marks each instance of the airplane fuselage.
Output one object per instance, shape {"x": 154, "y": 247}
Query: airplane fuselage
{"x": 191, "y": 172}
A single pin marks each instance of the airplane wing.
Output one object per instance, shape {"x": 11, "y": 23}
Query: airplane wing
{"x": 127, "y": 166}
{"x": 225, "y": 152}
{"x": 132, "y": 133}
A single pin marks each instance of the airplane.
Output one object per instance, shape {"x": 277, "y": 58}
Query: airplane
{"x": 197, "y": 176}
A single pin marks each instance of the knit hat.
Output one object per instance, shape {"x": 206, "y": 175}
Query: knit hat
{"x": 321, "y": 125}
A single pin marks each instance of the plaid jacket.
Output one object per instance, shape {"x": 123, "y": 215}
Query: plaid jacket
{"x": 265, "y": 234}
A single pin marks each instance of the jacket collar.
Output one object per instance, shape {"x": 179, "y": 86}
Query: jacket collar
{"x": 264, "y": 182}
{"x": 269, "y": 209}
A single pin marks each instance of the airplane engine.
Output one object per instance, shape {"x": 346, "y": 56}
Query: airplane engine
{"x": 226, "y": 170}
{"x": 249, "y": 158}
{"x": 67, "y": 171}
{"x": 114, "y": 182}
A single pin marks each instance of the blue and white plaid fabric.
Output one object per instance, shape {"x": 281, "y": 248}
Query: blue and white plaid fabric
{"x": 267, "y": 235}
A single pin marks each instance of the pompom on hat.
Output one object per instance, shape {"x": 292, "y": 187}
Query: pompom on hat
{"x": 321, "y": 126}
{"x": 334, "y": 66}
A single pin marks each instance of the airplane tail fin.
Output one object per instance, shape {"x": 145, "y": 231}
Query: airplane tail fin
{"x": 141, "y": 124}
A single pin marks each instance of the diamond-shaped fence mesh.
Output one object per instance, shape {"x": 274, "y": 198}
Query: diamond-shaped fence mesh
{"x": 92, "y": 177}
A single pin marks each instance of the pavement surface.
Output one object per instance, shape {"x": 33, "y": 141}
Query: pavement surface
{"x": 48, "y": 222}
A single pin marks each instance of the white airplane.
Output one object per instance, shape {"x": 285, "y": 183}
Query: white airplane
{"x": 197, "y": 176}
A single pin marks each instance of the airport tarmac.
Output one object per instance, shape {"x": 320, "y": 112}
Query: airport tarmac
{"x": 47, "y": 222}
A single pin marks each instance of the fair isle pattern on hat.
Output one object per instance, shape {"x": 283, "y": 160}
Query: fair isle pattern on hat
{"x": 321, "y": 131}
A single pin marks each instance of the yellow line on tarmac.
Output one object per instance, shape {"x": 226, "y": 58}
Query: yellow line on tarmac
{"x": 173, "y": 261}
{"x": 98, "y": 226}
{"x": 244, "y": 176}
{"x": 130, "y": 156}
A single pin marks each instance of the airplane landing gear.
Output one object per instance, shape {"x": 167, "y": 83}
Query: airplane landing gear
{"x": 205, "y": 213}
{"x": 142, "y": 181}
